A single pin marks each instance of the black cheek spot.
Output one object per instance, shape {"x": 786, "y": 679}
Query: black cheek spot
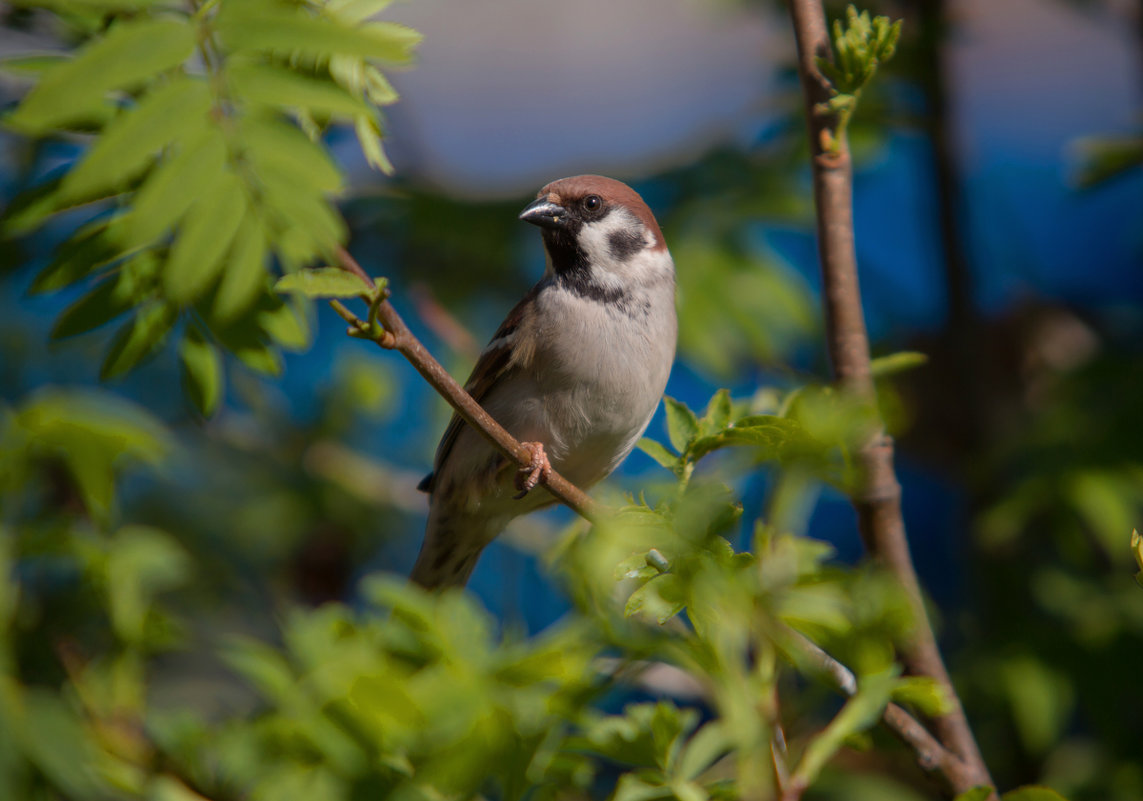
{"x": 622, "y": 245}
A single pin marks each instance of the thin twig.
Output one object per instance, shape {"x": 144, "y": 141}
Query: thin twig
{"x": 877, "y": 498}
{"x": 936, "y": 760}
{"x": 397, "y": 336}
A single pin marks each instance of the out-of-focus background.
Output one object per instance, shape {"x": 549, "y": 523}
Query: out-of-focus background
{"x": 990, "y": 237}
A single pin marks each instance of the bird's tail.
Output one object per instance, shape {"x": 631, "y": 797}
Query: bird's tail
{"x": 453, "y": 543}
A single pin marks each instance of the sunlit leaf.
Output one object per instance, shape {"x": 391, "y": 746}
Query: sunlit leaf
{"x": 323, "y": 282}
{"x": 245, "y": 278}
{"x": 176, "y": 184}
{"x": 279, "y": 148}
{"x": 292, "y": 32}
{"x": 281, "y": 88}
{"x": 682, "y": 425}
{"x": 206, "y": 233}
{"x": 1032, "y": 793}
{"x": 895, "y": 363}
{"x": 982, "y": 793}
{"x": 658, "y": 452}
{"x": 130, "y": 53}
{"x": 129, "y": 143}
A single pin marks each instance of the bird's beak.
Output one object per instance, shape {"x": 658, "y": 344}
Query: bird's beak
{"x": 546, "y": 214}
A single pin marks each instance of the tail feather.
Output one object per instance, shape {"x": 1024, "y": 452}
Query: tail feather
{"x": 453, "y": 544}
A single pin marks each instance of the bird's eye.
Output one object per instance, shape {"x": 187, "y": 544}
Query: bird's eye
{"x": 593, "y": 202}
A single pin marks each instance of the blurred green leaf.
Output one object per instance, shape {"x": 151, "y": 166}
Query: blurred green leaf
{"x": 205, "y": 236}
{"x": 175, "y": 185}
{"x": 245, "y": 278}
{"x": 895, "y": 363}
{"x": 101, "y": 305}
{"x": 177, "y": 109}
{"x": 276, "y": 88}
{"x": 201, "y": 371}
{"x": 281, "y": 29}
{"x": 142, "y": 562}
{"x": 1040, "y": 698}
{"x": 925, "y": 694}
{"x": 130, "y": 53}
{"x": 859, "y": 713}
{"x": 138, "y": 339}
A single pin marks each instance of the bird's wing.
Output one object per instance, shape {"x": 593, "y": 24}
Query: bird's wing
{"x": 495, "y": 361}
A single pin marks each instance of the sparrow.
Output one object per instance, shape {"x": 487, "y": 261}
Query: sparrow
{"x": 574, "y": 372}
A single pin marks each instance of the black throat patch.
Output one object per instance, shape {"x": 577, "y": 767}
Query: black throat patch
{"x": 573, "y": 272}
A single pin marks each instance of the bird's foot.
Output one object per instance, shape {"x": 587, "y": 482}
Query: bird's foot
{"x": 538, "y": 469}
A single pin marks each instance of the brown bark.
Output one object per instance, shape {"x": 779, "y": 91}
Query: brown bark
{"x": 877, "y": 496}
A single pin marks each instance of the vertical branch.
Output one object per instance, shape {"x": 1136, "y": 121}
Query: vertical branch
{"x": 877, "y": 497}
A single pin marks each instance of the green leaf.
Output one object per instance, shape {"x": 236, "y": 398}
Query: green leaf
{"x": 662, "y": 598}
{"x": 355, "y": 11}
{"x": 895, "y": 363}
{"x": 129, "y": 143}
{"x": 769, "y": 433}
{"x": 138, "y": 339}
{"x": 286, "y": 325}
{"x": 1137, "y": 552}
{"x": 633, "y": 788}
{"x": 101, "y": 305}
{"x": 171, "y": 188}
{"x": 244, "y": 279}
{"x": 369, "y": 137}
{"x": 925, "y": 693}
{"x": 717, "y": 414}
{"x": 56, "y": 742}
{"x": 204, "y": 237}
{"x": 298, "y": 33}
{"x": 703, "y": 749}
{"x": 859, "y": 713}
{"x": 658, "y": 452}
{"x": 201, "y": 371}
{"x": 129, "y": 54}
{"x": 282, "y": 88}
{"x": 277, "y": 147}
{"x": 1032, "y": 793}
{"x": 141, "y": 563}
{"x": 323, "y": 282}
{"x": 682, "y": 425}
{"x": 92, "y": 247}
{"x": 982, "y": 793}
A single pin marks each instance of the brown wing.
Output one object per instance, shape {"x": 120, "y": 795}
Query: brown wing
{"x": 499, "y": 356}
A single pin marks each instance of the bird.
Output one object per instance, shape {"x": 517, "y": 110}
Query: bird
{"x": 575, "y": 371}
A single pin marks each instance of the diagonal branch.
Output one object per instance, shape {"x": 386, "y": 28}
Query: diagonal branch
{"x": 397, "y": 336}
{"x": 877, "y": 497}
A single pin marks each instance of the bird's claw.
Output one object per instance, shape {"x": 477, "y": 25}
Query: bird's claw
{"x": 538, "y": 469}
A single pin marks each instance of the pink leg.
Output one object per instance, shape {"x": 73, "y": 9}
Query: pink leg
{"x": 538, "y": 469}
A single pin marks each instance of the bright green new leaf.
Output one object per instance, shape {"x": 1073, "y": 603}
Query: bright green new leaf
{"x": 127, "y": 146}
{"x": 201, "y": 370}
{"x": 682, "y": 425}
{"x": 277, "y": 147}
{"x": 859, "y": 713}
{"x": 204, "y": 237}
{"x": 244, "y": 279}
{"x": 895, "y": 363}
{"x": 369, "y": 137}
{"x": 137, "y": 340}
{"x": 658, "y": 452}
{"x": 286, "y": 324}
{"x": 130, "y": 53}
{"x": 290, "y": 32}
{"x": 925, "y": 693}
{"x": 356, "y": 11}
{"x": 323, "y": 282}
{"x": 280, "y": 88}
{"x": 703, "y": 749}
{"x": 661, "y": 598}
{"x": 171, "y": 188}
{"x": 1137, "y": 552}
{"x": 717, "y": 414}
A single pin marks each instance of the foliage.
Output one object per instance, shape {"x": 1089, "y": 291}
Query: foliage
{"x": 205, "y": 168}
{"x": 115, "y": 583}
